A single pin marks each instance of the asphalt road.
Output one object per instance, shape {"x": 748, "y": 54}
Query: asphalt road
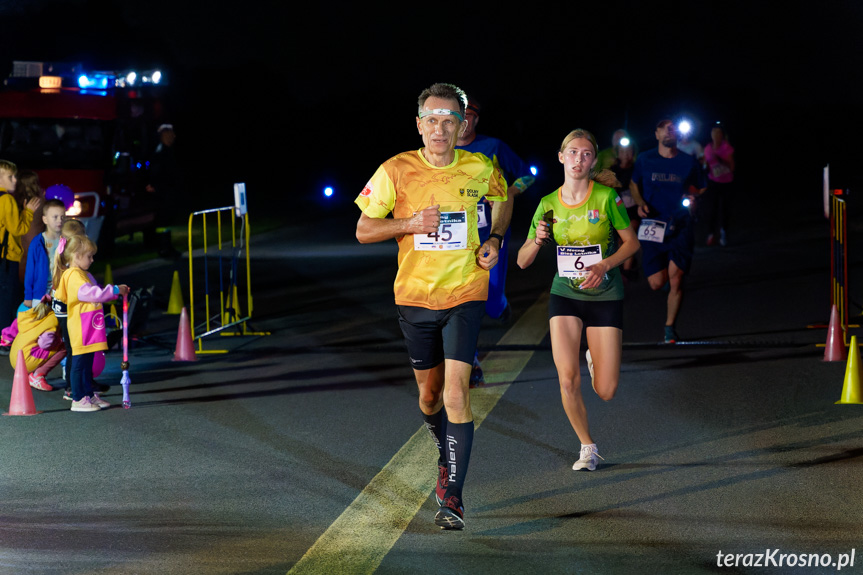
{"x": 301, "y": 451}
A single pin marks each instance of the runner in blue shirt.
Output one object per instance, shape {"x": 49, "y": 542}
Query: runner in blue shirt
{"x": 664, "y": 183}
{"x": 519, "y": 177}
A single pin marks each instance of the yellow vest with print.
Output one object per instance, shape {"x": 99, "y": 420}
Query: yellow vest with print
{"x": 86, "y": 321}
{"x": 30, "y": 327}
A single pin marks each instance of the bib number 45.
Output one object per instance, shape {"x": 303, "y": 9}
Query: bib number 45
{"x": 451, "y": 234}
{"x": 444, "y": 234}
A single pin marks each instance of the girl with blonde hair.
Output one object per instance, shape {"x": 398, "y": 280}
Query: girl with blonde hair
{"x": 584, "y": 217}
{"x": 86, "y": 319}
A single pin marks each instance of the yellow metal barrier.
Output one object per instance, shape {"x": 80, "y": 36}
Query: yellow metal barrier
{"x": 839, "y": 263}
{"x": 229, "y": 317}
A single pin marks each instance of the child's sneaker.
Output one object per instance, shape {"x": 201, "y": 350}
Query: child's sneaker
{"x": 96, "y": 400}
{"x": 67, "y": 394}
{"x": 84, "y": 405}
{"x": 5, "y": 347}
{"x": 38, "y": 381}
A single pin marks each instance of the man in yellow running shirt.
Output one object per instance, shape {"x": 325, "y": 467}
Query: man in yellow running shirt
{"x": 442, "y": 282}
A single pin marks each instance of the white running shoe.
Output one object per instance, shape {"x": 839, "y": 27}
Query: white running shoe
{"x": 588, "y": 459}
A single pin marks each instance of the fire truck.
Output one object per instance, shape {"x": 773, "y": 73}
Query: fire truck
{"x": 91, "y": 132}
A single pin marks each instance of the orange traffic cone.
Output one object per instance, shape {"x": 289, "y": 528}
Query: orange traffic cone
{"x": 835, "y": 348}
{"x": 851, "y": 392}
{"x": 185, "y": 350}
{"x": 22, "y": 396}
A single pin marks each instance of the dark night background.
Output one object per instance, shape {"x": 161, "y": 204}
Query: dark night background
{"x": 289, "y": 98}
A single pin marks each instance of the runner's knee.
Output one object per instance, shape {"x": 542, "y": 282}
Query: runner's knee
{"x": 657, "y": 281}
{"x": 429, "y": 402}
{"x": 606, "y": 391}
{"x": 570, "y": 384}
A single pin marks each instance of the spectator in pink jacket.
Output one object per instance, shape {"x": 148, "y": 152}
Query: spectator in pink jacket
{"x": 719, "y": 156}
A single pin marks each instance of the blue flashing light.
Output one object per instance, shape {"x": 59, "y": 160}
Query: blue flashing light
{"x": 686, "y": 202}
{"x": 138, "y": 165}
{"x": 96, "y": 81}
{"x": 534, "y": 170}
{"x": 684, "y": 127}
{"x": 329, "y": 191}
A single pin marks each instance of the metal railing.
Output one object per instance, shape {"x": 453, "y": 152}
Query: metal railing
{"x": 229, "y": 321}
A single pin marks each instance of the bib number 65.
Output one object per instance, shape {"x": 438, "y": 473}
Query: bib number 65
{"x": 651, "y": 231}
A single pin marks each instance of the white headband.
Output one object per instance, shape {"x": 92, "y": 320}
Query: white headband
{"x": 442, "y": 112}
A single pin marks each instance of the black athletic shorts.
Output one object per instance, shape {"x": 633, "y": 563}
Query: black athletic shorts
{"x": 678, "y": 247}
{"x": 591, "y": 313}
{"x": 434, "y": 335}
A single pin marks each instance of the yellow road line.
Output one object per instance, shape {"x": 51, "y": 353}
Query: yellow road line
{"x": 364, "y": 533}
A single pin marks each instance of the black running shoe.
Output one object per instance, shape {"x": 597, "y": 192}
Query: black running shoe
{"x": 671, "y": 334}
{"x": 450, "y": 515}
{"x": 442, "y": 484}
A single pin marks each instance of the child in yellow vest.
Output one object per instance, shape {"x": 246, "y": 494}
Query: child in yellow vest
{"x": 71, "y": 227}
{"x": 14, "y": 222}
{"x": 39, "y": 338}
{"x": 86, "y": 320}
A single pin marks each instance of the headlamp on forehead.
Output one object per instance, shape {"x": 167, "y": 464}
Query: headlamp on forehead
{"x": 441, "y": 112}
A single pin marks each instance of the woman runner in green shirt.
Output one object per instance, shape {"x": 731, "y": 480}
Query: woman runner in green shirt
{"x": 584, "y": 217}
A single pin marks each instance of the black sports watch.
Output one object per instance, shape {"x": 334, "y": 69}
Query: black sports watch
{"x": 499, "y": 239}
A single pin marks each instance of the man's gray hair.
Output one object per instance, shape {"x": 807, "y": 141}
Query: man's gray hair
{"x": 446, "y": 92}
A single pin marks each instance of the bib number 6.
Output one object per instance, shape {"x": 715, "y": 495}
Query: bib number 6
{"x": 573, "y": 260}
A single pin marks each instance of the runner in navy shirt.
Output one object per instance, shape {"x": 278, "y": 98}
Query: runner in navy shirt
{"x": 661, "y": 182}
{"x": 519, "y": 178}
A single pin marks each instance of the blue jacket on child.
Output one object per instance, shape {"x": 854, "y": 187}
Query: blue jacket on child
{"x": 37, "y": 274}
